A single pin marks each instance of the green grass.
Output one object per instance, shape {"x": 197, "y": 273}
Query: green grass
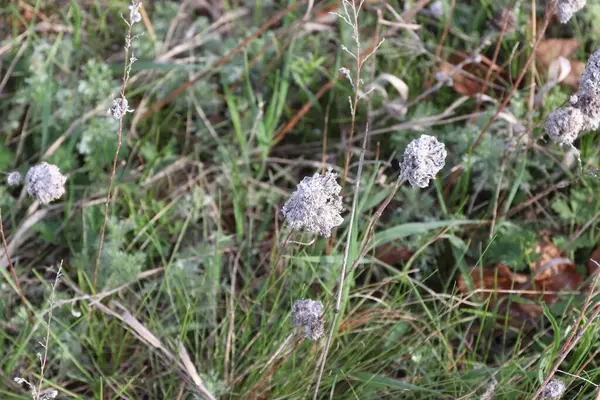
{"x": 196, "y": 248}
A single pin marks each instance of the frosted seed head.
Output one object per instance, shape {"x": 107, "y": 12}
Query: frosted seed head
{"x": 134, "y": 13}
{"x": 590, "y": 78}
{"x": 306, "y": 315}
{"x": 564, "y": 124}
{"x": 553, "y": 390}
{"x": 315, "y": 205}
{"x": 119, "y": 108}
{"x": 589, "y": 105}
{"x": 567, "y": 8}
{"x": 423, "y": 159}
{"x": 45, "y": 182}
{"x": 14, "y": 178}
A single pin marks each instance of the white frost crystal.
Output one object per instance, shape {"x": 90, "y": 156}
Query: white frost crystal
{"x": 45, "y": 182}
{"x": 315, "y": 205}
{"x": 564, "y": 124}
{"x": 553, "y": 390}
{"x": 306, "y": 315}
{"x": 567, "y": 8}
{"x": 423, "y": 159}
{"x": 14, "y": 178}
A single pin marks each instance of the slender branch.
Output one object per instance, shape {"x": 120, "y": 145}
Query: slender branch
{"x": 126, "y": 72}
{"x": 338, "y": 302}
{"x": 13, "y": 272}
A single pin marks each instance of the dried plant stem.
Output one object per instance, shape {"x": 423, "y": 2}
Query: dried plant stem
{"x": 47, "y": 340}
{"x": 549, "y": 12}
{"x": 126, "y": 72}
{"x": 254, "y": 394}
{"x": 338, "y": 301}
{"x": 575, "y": 336}
{"x": 13, "y": 272}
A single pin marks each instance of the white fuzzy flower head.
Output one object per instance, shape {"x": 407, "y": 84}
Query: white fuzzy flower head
{"x": 119, "y": 108}
{"x": 590, "y": 78}
{"x": 567, "y": 8}
{"x": 553, "y": 390}
{"x": 45, "y": 182}
{"x": 436, "y": 9}
{"x": 306, "y": 315}
{"x": 423, "y": 159}
{"x": 315, "y": 205}
{"x": 134, "y": 13}
{"x": 564, "y": 124}
{"x": 14, "y": 178}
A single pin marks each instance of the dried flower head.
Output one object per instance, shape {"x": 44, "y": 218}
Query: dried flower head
{"x": 45, "y": 182}
{"x": 119, "y": 108}
{"x": 564, "y": 124}
{"x": 315, "y": 205}
{"x": 499, "y": 16}
{"x": 589, "y": 105}
{"x": 423, "y": 159}
{"x": 590, "y": 78}
{"x": 134, "y": 13}
{"x": 553, "y": 390}
{"x": 567, "y": 8}
{"x": 14, "y": 178}
{"x": 306, "y": 315}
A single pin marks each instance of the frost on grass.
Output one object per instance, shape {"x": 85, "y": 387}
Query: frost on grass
{"x": 563, "y": 125}
{"x": 315, "y": 205}
{"x": 45, "y": 182}
{"x": 134, "y": 13}
{"x": 553, "y": 390}
{"x": 423, "y": 159}
{"x": 119, "y": 108}
{"x": 567, "y": 8}
{"x": 306, "y": 315}
{"x": 14, "y": 178}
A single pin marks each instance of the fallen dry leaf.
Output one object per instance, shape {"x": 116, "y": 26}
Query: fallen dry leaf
{"x": 549, "y": 50}
{"x": 471, "y": 81}
{"x": 553, "y": 271}
{"x": 592, "y": 267}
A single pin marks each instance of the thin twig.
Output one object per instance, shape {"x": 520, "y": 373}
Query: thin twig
{"x": 13, "y": 272}
{"x": 338, "y": 302}
{"x": 47, "y": 340}
{"x": 126, "y": 72}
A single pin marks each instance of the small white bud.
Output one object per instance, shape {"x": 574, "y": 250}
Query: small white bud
{"x": 14, "y": 178}
{"x": 553, "y": 390}
{"x": 423, "y": 159}
{"x": 119, "y": 108}
{"x": 45, "y": 182}
{"x": 315, "y": 205}
{"x": 436, "y": 9}
{"x": 306, "y": 315}
{"x": 134, "y": 13}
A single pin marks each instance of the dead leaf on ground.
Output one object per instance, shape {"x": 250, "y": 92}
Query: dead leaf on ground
{"x": 392, "y": 254}
{"x": 553, "y": 271}
{"x": 549, "y": 50}
{"x": 471, "y": 81}
{"x": 592, "y": 267}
